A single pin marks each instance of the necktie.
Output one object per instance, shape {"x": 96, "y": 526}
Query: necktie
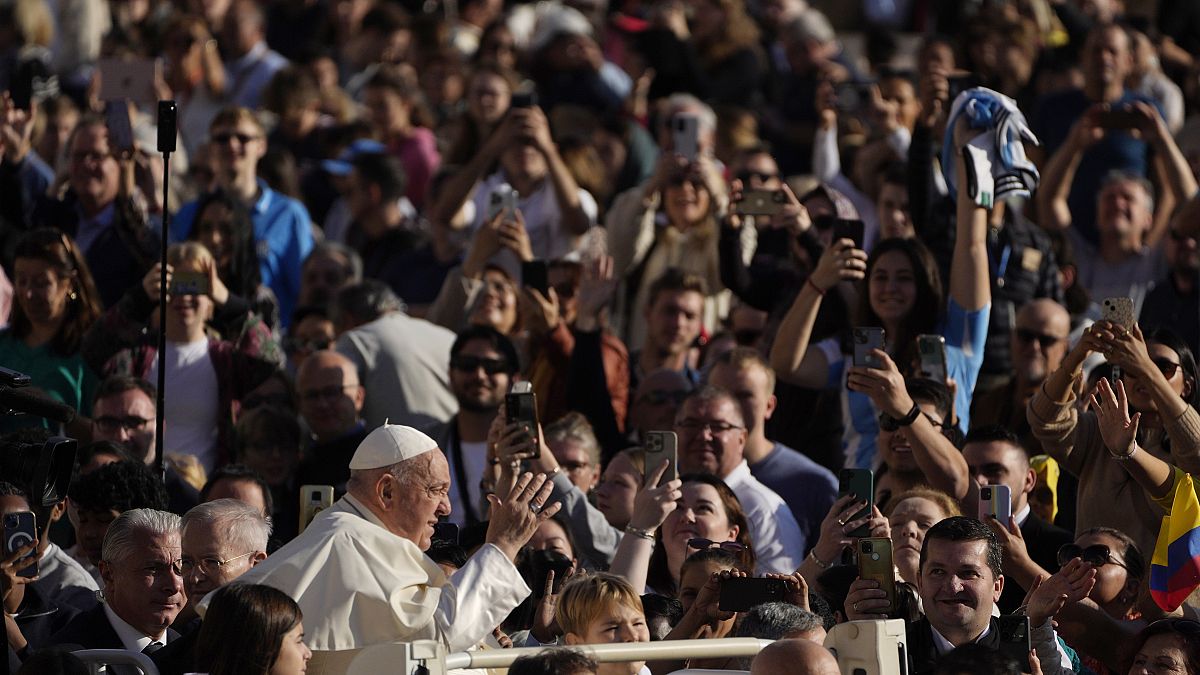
{"x": 152, "y": 647}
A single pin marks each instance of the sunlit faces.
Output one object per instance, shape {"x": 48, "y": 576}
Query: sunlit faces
{"x": 1125, "y": 210}
{"x": 750, "y": 386}
{"x": 892, "y": 286}
{"x": 1167, "y": 361}
{"x": 700, "y": 514}
{"x": 694, "y": 576}
{"x": 892, "y": 210}
{"x": 1108, "y": 56}
{"x": 237, "y": 148}
{"x": 617, "y": 623}
{"x": 142, "y": 586}
{"x": 1001, "y": 463}
{"x": 573, "y": 457}
{"x": 92, "y": 169}
{"x": 712, "y": 436}
{"x": 214, "y": 229}
{"x": 41, "y": 290}
{"x": 909, "y": 521}
{"x": 293, "y": 653}
{"x": 617, "y": 489}
{"x": 488, "y": 98}
{"x": 673, "y": 321}
{"x": 1114, "y": 588}
{"x": 331, "y": 395}
{"x": 687, "y": 201}
{"x": 127, "y": 418}
{"x": 1162, "y": 654}
{"x": 957, "y": 587}
{"x": 203, "y": 542}
{"x": 496, "y": 305}
{"x": 479, "y": 376}
{"x": 896, "y": 447}
{"x": 415, "y": 502}
{"x": 1039, "y": 340}
{"x": 550, "y": 536}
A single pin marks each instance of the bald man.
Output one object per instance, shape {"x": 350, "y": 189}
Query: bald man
{"x": 794, "y": 657}
{"x": 331, "y": 401}
{"x": 1039, "y": 341}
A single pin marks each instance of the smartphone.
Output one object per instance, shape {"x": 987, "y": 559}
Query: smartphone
{"x": 1015, "y": 641}
{"x": 932, "y": 352}
{"x": 19, "y": 530}
{"x": 1119, "y": 311}
{"x": 129, "y": 80}
{"x": 526, "y": 99}
{"x": 21, "y": 88}
{"x": 543, "y": 563}
{"x": 861, "y": 483}
{"x": 739, "y": 594}
{"x": 313, "y": 500}
{"x": 1120, "y": 118}
{"x": 852, "y": 96}
{"x": 503, "y": 199}
{"x": 875, "y": 562}
{"x": 189, "y": 283}
{"x": 536, "y": 274}
{"x": 685, "y": 135}
{"x": 12, "y": 378}
{"x": 957, "y": 84}
{"x": 662, "y": 445}
{"x": 844, "y": 228}
{"x": 446, "y": 533}
{"x": 996, "y": 501}
{"x": 866, "y": 339}
{"x": 870, "y": 647}
{"x": 120, "y": 129}
{"x": 520, "y": 405}
{"x": 762, "y": 202}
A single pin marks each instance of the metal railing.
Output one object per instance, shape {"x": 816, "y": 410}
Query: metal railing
{"x": 668, "y": 650}
{"x": 95, "y": 659}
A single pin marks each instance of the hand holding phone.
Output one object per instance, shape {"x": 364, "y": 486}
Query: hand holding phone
{"x": 861, "y": 484}
{"x": 740, "y": 594}
{"x": 520, "y": 407}
{"x": 313, "y": 500}
{"x": 20, "y": 530}
{"x": 875, "y": 563}
{"x": 685, "y": 135}
{"x": 866, "y": 340}
{"x": 662, "y": 445}
{"x": 995, "y": 501}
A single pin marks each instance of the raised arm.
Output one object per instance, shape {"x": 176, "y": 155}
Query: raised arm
{"x": 1119, "y": 431}
{"x": 458, "y": 186}
{"x": 533, "y": 124}
{"x": 1170, "y": 165}
{"x": 651, "y": 507}
{"x": 969, "y": 283}
{"x": 1052, "y": 415}
{"x": 791, "y": 356}
{"x": 1052, "y": 211}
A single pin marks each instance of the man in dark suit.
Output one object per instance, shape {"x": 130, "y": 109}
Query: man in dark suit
{"x": 959, "y": 584}
{"x": 995, "y": 457}
{"x": 143, "y": 587}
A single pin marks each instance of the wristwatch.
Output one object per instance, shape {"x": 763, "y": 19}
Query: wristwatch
{"x": 889, "y": 423}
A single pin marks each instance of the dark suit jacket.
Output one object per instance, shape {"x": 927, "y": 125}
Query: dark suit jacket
{"x": 179, "y": 655}
{"x": 92, "y": 630}
{"x": 1042, "y": 541}
{"x": 922, "y": 652}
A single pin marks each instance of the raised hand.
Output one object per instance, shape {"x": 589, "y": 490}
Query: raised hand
{"x": 515, "y": 518}
{"x": 596, "y": 289}
{"x": 1070, "y": 584}
{"x": 885, "y": 386}
{"x": 654, "y": 502}
{"x": 840, "y": 262}
{"x": 866, "y": 601}
{"x": 1117, "y": 428}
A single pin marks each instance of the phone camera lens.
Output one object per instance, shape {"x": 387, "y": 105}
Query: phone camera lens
{"x": 867, "y": 547}
{"x": 986, "y": 493}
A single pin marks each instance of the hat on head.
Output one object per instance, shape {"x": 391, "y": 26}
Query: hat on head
{"x": 390, "y": 444}
{"x": 342, "y": 166}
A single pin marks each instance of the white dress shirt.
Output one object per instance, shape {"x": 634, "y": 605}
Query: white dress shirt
{"x": 132, "y": 638}
{"x": 778, "y": 542}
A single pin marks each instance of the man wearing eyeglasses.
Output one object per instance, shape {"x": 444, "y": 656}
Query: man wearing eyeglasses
{"x": 143, "y": 587}
{"x": 123, "y": 412}
{"x": 712, "y": 439}
{"x": 331, "y": 402}
{"x": 221, "y": 541}
{"x": 483, "y": 363}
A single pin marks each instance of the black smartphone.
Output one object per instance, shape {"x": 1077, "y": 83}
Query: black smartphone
{"x": 852, "y": 96}
{"x": 740, "y": 594}
{"x": 520, "y": 405}
{"x": 526, "y": 99}
{"x": 1120, "y": 118}
{"x": 762, "y": 202}
{"x": 19, "y": 530}
{"x": 21, "y": 88}
{"x": 120, "y": 129}
{"x": 543, "y": 563}
{"x": 860, "y": 483}
{"x": 1015, "y": 641}
{"x": 844, "y": 228}
{"x": 536, "y": 274}
{"x": 932, "y": 352}
{"x": 866, "y": 340}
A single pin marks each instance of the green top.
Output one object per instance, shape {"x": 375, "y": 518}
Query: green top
{"x": 65, "y": 378}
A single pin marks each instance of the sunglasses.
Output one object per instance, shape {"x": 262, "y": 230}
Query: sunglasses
{"x": 1096, "y": 554}
{"x": 679, "y": 180}
{"x": 747, "y": 176}
{"x": 702, "y": 544}
{"x": 1028, "y": 336}
{"x": 887, "y": 423}
{"x": 225, "y": 136}
{"x": 469, "y": 364}
{"x": 1167, "y": 367}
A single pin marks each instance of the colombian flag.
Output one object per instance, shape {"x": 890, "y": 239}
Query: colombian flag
{"x": 1175, "y": 567}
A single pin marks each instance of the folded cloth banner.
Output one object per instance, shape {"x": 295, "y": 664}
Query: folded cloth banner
{"x": 1002, "y": 133}
{"x": 1175, "y": 567}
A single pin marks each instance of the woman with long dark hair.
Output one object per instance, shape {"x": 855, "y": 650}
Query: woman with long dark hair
{"x": 224, "y": 226}
{"x": 250, "y": 629}
{"x": 56, "y": 303}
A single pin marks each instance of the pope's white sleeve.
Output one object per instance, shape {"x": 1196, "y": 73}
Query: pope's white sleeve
{"x": 478, "y": 597}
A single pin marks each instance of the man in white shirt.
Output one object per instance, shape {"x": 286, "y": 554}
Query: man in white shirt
{"x": 359, "y": 572}
{"x": 712, "y": 439}
{"x": 143, "y": 587}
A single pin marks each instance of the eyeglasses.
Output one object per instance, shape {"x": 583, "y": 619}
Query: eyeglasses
{"x": 111, "y": 424}
{"x": 1096, "y": 554}
{"x": 572, "y": 467}
{"x": 1166, "y": 366}
{"x": 702, "y": 544}
{"x": 226, "y": 136}
{"x": 693, "y": 426}
{"x": 660, "y": 396}
{"x": 680, "y": 179}
{"x": 1028, "y": 336}
{"x": 469, "y": 364}
{"x": 207, "y": 566}
{"x": 762, "y": 176}
{"x": 90, "y": 157}
{"x": 293, "y": 345}
{"x": 325, "y": 394}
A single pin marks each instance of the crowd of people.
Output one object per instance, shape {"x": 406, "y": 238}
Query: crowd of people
{"x": 950, "y": 247}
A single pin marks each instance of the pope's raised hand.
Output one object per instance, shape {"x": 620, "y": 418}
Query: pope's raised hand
{"x": 516, "y": 517}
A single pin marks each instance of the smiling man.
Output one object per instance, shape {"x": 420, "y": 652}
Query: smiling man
{"x": 143, "y": 587}
{"x": 712, "y": 440}
{"x": 359, "y": 571}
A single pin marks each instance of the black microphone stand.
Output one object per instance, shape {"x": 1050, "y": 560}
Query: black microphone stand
{"x": 166, "y": 145}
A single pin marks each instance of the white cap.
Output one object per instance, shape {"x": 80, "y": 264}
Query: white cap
{"x": 558, "y": 20}
{"x": 388, "y": 445}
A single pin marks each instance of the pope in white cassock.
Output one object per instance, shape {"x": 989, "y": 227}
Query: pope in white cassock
{"x": 359, "y": 572}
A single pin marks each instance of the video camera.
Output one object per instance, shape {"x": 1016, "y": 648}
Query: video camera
{"x": 42, "y": 468}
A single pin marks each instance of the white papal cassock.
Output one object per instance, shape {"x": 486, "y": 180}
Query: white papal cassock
{"x": 360, "y": 585}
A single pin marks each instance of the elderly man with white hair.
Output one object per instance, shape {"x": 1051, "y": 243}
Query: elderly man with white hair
{"x": 143, "y": 587}
{"x": 359, "y": 572}
{"x": 222, "y": 540}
